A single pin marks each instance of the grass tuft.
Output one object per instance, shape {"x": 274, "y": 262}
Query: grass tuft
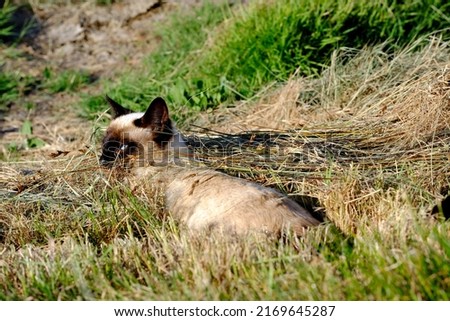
{"x": 6, "y": 13}
{"x": 14, "y": 85}
{"x": 269, "y": 41}
{"x": 68, "y": 80}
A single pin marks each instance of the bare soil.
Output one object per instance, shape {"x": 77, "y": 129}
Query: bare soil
{"x": 101, "y": 40}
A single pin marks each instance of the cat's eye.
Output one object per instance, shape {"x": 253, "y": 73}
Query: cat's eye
{"x": 115, "y": 150}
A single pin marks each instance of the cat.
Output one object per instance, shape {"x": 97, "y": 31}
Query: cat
{"x": 202, "y": 199}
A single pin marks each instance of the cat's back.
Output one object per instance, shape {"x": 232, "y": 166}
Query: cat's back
{"x": 212, "y": 200}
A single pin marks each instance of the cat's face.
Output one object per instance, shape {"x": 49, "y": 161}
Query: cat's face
{"x": 149, "y": 137}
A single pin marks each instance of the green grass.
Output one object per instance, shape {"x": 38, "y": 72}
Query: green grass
{"x": 14, "y": 85}
{"x": 262, "y": 43}
{"x": 117, "y": 248}
{"x": 6, "y": 12}
{"x": 15, "y": 22}
{"x": 269, "y": 42}
{"x": 8, "y": 89}
{"x": 67, "y": 80}
{"x": 162, "y": 73}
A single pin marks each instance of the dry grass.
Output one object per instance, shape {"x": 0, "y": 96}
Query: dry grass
{"x": 369, "y": 140}
{"x": 373, "y": 131}
{"x": 367, "y": 86}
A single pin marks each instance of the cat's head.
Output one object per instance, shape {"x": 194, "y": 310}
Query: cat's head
{"x": 149, "y": 138}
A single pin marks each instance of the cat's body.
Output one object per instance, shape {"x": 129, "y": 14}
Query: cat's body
{"x": 206, "y": 199}
{"x": 202, "y": 199}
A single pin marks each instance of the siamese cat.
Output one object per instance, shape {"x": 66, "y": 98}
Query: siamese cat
{"x": 202, "y": 199}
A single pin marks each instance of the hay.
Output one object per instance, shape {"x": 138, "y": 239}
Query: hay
{"x": 371, "y": 137}
{"x": 373, "y": 128}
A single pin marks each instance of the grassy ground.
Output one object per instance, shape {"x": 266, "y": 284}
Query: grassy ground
{"x": 269, "y": 41}
{"x": 368, "y": 138}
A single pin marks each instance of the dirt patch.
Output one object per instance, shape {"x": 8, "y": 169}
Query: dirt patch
{"x": 100, "y": 40}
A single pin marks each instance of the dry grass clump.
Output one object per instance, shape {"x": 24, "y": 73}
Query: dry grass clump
{"x": 373, "y": 127}
{"x": 360, "y": 88}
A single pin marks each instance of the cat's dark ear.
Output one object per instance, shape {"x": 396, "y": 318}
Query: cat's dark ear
{"x": 156, "y": 117}
{"x": 118, "y": 109}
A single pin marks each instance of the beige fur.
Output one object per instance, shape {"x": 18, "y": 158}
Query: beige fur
{"x": 206, "y": 199}
{"x": 203, "y": 199}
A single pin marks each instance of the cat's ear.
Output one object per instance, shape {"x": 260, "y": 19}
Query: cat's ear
{"x": 118, "y": 109}
{"x": 156, "y": 117}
